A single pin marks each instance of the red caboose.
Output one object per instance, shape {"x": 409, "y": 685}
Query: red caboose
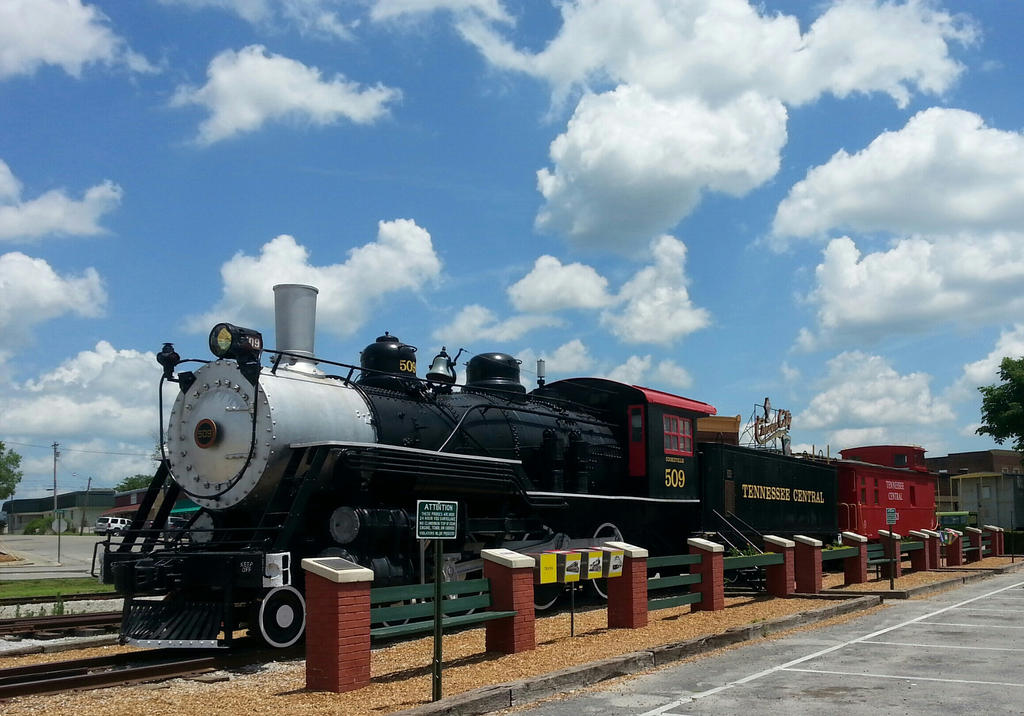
{"x": 877, "y": 477}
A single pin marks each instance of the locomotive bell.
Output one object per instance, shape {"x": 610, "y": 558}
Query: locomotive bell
{"x": 442, "y": 369}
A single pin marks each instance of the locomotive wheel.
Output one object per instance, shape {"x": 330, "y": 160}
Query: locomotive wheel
{"x": 607, "y": 532}
{"x": 546, "y": 596}
{"x": 281, "y": 619}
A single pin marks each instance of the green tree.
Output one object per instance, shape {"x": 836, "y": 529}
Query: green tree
{"x": 133, "y": 483}
{"x": 10, "y": 475}
{"x": 1002, "y": 405}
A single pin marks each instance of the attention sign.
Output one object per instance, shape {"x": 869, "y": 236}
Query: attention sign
{"x": 436, "y": 519}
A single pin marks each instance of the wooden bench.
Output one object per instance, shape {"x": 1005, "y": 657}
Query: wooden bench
{"x": 409, "y": 609}
{"x": 673, "y": 581}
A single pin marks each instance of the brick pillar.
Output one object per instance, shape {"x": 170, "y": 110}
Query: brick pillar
{"x": 807, "y": 564}
{"x": 337, "y": 626}
{"x": 920, "y": 559}
{"x": 891, "y": 541}
{"x": 710, "y": 569}
{"x": 780, "y": 577}
{"x": 974, "y": 537}
{"x": 995, "y": 535}
{"x": 855, "y": 568}
{"x": 627, "y": 595}
{"x": 954, "y": 550}
{"x": 511, "y": 576}
{"x": 934, "y": 549}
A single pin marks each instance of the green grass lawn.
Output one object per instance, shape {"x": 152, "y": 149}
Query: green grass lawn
{"x": 52, "y": 587}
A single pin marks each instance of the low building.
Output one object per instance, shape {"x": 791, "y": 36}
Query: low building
{"x": 126, "y": 504}
{"x": 79, "y": 509}
{"x": 989, "y": 483}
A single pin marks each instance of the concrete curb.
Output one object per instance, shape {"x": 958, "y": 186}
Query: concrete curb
{"x": 502, "y": 696}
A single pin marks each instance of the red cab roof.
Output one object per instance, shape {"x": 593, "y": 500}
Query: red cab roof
{"x": 657, "y": 397}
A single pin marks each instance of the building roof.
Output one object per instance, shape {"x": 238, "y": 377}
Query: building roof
{"x": 100, "y": 497}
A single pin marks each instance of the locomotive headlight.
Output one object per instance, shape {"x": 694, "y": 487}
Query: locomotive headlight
{"x": 242, "y": 344}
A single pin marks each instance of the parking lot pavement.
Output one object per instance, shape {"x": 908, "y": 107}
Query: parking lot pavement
{"x": 956, "y": 652}
{"x": 38, "y": 555}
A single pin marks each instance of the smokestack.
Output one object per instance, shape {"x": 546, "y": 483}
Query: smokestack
{"x": 295, "y": 320}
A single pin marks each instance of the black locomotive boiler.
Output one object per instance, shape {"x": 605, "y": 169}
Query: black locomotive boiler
{"x": 305, "y": 457}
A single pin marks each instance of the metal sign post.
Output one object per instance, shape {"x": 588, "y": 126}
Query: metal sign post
{"x": 890, "y": 519}
{"x": 437, "y": 520}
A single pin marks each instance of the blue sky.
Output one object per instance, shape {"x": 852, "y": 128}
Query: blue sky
{"x": 821, "y": 203}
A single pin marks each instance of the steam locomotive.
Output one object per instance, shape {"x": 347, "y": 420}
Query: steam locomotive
{"x": 307, "y": 457}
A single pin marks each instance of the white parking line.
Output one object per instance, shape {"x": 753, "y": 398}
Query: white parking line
{"x": 942, "y": 646}
{"x": 975, "y": 626}
{"x": 789, "y": 664}
{"x": 907, "y": 678}
{"x": 997, "y": 611}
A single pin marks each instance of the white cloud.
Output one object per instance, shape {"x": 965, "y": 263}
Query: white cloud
{"x": 53, "y": 212}
{"x": 671, "y": 374}
{"x": 985, "y": 371}
{"x": 632, "y": 372}
{"x": 31, "y": 292}
{"x": 944, "y": 172}
{"x": 310, "y": 17}
{"x": 475, "y": 323}
{"x": 100, "y": 405}
{"x": 720, "y": 49}
{"x": 553, "y": 286}
{"x": 491, "y": 10}
{"x": 865, "y": 393}
{"x": 700, "y": 94}
{"x": 914, "y": 286}
{"x": 643, "y": 370}
{"x": 571, "y": 357}
{"x": 569, "y": 360}
{"x": 657, "y": 306}
{"x": 248, "y": 88}
{"x": 62, "y": 33}
{"x": 402, "y": 251}
{"x": 629, "y": 166}
{"x": 99, "y": 390}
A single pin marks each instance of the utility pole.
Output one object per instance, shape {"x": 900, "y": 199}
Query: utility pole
{"x": 56, "y": 517}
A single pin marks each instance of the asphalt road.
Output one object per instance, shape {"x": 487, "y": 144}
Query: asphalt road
{"x": 39, "y": 553}
{"x": 956, "y": 652}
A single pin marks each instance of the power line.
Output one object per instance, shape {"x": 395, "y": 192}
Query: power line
{"x": 67, "y": 449}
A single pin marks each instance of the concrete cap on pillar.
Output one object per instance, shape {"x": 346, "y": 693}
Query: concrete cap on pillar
{"x": 337, "y": 570}
{"x": 807, "y": 540}
{"x": 507, "y": 558}
{"x": 854, "y": 537}
{"x": 993, "y": 528}
{"x": 779, "y": 541}
{"x": 890, "y": 535}
{"x": 931, "y": 533}
{"x": 920, "y": 533}
{"x": 706, "y": 545}
{"x": 958, "y": 533}
{"x": 629, "y": 550}
{"x": 973, "y": 529}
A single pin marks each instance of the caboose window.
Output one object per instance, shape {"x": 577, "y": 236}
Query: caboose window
{"x": 678, "y": 435}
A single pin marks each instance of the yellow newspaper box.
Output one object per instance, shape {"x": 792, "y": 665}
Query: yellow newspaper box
{"x": 546, "y": 569}
{"x": 611, "y": 561}
{"x": 594, "y": 559}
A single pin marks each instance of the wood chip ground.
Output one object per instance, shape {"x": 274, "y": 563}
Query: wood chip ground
{"x": 401, "y": 673}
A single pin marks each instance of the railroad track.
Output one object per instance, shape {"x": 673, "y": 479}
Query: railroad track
{"x": 59, "y": 624}
{"x": 102, "y": 671}
{"x": 130, "y": 668}
{"x": 53, "y": 598}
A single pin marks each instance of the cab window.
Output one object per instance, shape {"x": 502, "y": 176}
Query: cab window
{"x": 678, "y": 435}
